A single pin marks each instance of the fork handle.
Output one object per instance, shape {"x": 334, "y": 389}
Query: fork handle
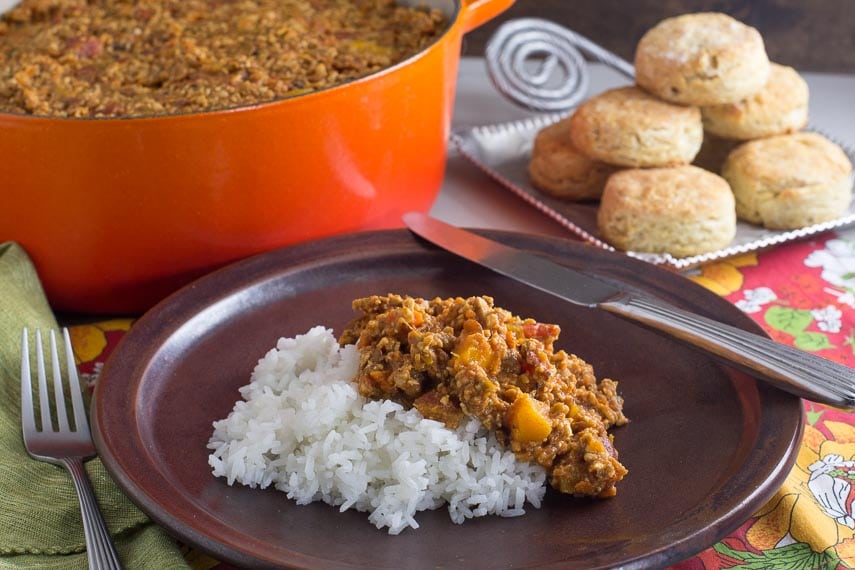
{"x": 99, "y": 546}
{"x": 790, "y": 369}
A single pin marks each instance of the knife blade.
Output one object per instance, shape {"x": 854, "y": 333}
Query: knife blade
{"x": 798, "y": 372}
{"x": 535, "y": 271}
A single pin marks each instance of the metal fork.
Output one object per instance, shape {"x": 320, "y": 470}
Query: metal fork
{"x": 64, "y": 446}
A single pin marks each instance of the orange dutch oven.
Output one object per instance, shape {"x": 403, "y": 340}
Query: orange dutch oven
{"x": 118, "y": 213}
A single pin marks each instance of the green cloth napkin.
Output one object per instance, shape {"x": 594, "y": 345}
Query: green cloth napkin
{"x": 40, "y": 523}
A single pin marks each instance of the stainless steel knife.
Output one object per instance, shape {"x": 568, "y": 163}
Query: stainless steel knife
{"x": 798, "y": 372}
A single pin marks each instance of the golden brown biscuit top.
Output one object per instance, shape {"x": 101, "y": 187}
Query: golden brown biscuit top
{"x": 696, "y": 39}
{"x": 796, "y": 159}
{"x": 555, "y": 135}
{"x": 784, "y": 91}
{"x": 636, "y": 108}
{"x": 673, "y": 191}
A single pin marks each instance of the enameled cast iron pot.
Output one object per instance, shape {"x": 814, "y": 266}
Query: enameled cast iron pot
{"x": 118, "y": 213}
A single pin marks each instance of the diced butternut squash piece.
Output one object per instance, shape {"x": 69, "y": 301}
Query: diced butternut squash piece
{"x": 528, "y": 420}
{"x": 474, "y": 348}
{"x": 418, "y": 318}
{"x": 595, "y": 446}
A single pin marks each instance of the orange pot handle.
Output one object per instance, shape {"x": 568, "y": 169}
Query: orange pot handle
{"x": 477, "y": 12}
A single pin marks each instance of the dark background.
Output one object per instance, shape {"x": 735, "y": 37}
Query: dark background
{"x": 810, "y": 35}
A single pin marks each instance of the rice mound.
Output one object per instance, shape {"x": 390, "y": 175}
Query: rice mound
{"x": 303, "y": 428}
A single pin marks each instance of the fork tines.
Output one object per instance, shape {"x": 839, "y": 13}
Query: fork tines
{"x": 27, "y": 406}
{"x": 59, "y": 444}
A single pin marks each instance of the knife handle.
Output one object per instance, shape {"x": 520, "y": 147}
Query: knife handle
{"x": 801, "y": 373}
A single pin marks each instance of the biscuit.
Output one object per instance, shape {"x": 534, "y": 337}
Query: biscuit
{"x": 629, "y": 127}
{"x": 682, "y": 210}
{"x": 701, "y": 59}
{"x": 789, "y": 181}
{"x": 558, "y": 169}
{"x": 780, "y": 107}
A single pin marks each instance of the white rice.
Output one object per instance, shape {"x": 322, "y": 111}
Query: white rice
{"x": 303, "y": 428}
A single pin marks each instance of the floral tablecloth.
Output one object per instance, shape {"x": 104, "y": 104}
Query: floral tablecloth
{"x": 802, "y": 294}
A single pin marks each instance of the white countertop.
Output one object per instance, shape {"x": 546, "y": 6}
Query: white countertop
{"x": 469, "y": 198}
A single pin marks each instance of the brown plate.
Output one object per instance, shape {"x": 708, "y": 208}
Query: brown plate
{"x": 706, "y": 445}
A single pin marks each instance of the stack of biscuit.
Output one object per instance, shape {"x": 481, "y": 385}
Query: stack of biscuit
{"x": 709, "y": 134}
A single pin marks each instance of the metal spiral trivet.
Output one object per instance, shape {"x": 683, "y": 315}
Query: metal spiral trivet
{"x": 539, "y": 64}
